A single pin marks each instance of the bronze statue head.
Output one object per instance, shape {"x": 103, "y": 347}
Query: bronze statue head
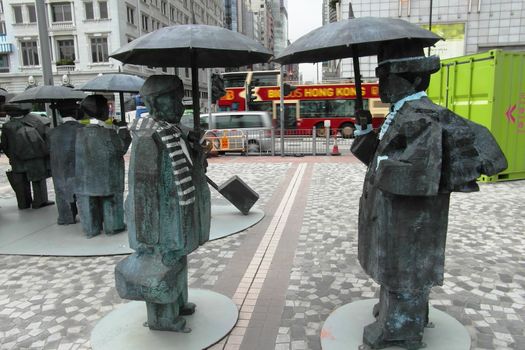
{"x": 14, "y": 109}
{"x": 95, "y": 106}
{"x": 68, "y": 108}
{"x": 163, "y": 96}
{"x": 403, "y": 70}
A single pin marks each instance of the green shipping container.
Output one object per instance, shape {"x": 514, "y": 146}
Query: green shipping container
{"x": 489, "y": 89}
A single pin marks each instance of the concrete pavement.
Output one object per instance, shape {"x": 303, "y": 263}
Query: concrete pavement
{"x": 292, "y": 269}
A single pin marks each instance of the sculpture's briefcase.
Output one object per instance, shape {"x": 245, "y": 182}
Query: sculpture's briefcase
{"x": 237, "y": 192}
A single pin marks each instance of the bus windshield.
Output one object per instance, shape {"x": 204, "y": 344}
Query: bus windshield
{"x": 234, "y": 80}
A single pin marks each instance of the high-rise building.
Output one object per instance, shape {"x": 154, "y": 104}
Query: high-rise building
{"x": 331, "y": 13}
{"x": 468, "y": 26}
{"x": 280, "y": 25}
{"x": 262, "y": 10}
{"x": 83, "y": 33}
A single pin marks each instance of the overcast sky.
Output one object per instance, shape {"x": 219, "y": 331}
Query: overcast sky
{"x": 304, "y": 16}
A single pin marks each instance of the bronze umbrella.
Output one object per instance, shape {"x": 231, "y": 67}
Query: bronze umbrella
{"x": 355, "y": 37}
{"x": 115, "y": 82}
{"x": 195, "y": 46}
{"x": 49, "y": 94}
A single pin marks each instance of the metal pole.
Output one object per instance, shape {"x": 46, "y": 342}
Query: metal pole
{"x": 196, "y": 98}
{"x": 122, "y": 106}
{"x": 314, "y": 141}
{"x": 327, "y": 134}
{"x": 209, "y": 92}
{"x": 357, "y": 76}
{"x": 281, "y": 108}
{"x": 430, "y": 23}
{"x": 247, "y": 96}
{"x": 45, "y": 52}
{"x": 44, "y": 42}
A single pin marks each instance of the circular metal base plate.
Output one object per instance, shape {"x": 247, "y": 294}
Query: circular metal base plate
{"x": 343, "y": 329}
{"x": 124, "y": 328}
{"x": 35, "y": 231}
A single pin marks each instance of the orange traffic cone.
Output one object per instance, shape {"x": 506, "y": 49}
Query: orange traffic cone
{"x": 335, "y": 149}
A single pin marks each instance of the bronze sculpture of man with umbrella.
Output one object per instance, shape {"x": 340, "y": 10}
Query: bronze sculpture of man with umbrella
{"x": 422, "y": 154}
{"x": 168, "y": 205}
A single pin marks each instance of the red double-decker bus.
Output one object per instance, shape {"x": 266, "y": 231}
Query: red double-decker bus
{"x": 308, "y": 106}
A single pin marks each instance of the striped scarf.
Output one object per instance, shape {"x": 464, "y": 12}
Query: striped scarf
{"x": 180, "y": 164}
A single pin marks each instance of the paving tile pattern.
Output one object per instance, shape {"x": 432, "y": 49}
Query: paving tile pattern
{"x": 485, "y": 277}
{"x": 54, "y": 302}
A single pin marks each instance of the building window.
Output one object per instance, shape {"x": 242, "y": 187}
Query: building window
{"x": 3, "y": 31}
{"x": 164, "y": 7}
{"x": 99, "y": 49}
{"x": 18, "y": 14}
{"x": 131, "y": 15}
{"x": 61, "y": 12}
{"x": 172, "y": 13}
{"x": 32, "y": 13}
{"x": 66, "y": 50}
{"x": 103, "y": 9}
{"x": 4, "y": 63}
{"x": 29, "y": 50}
{"x": 88, "y": 6}
{"x": 145, "y": 23}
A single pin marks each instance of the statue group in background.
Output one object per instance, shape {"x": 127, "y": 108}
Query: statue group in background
{"x": 25, "y": 141}
{"x": 62, "y": 154}
{"x": 422, "y": 154}
{"x": 99, "y": 169}
{"x": 168, "y": 207}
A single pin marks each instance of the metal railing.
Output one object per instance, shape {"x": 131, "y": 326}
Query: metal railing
{"x": 295, "y": 142}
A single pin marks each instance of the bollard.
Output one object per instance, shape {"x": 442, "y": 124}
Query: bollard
{"x": 314, "y": 141}
{"x": 327, "y": 134}
{"x": 273, "y": 142}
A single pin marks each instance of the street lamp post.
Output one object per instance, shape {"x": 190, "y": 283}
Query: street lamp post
{"x": 44, "y": 42}
{"x": 430, "y": 23}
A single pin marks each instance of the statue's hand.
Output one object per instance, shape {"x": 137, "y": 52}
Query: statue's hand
{"x": 120, "y": 123}
{"x": 363, "y": 118}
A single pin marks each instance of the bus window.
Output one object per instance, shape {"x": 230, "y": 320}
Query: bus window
{"x": 264, "y": 80}
{"x": 290, "y": 113}
{"x": 234, "y": 80}
{"x": 313, "y": 109}
{"x": 328, "y": 108}
{"x": 261, "y": 106}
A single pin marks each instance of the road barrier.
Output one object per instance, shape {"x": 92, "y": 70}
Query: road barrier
{"x": 297, "y": 142}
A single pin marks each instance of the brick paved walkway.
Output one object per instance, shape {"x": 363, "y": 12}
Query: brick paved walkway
{"x": 292, "y": 269}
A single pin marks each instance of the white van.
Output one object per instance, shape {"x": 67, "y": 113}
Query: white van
{"x": 256, "y": 126}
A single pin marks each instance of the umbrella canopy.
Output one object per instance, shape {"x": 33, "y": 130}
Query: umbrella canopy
{"x": 354, "y": 37}
{"x": 115, "y": 82}
{"x": 48, "y": 93}
{"x": 362, "y": 36}
{"x": 195, "y": 46}
{"x": 190, "y": 45}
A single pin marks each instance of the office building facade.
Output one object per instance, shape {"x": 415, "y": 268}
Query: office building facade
{"x": 83, "y": 33}
{"x": 469, "y": 26}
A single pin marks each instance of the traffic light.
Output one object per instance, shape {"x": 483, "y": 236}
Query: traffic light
{"x": 252, "y": 93}
{"x": 217, "y": 87}
{"x": 287, "y": 89}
